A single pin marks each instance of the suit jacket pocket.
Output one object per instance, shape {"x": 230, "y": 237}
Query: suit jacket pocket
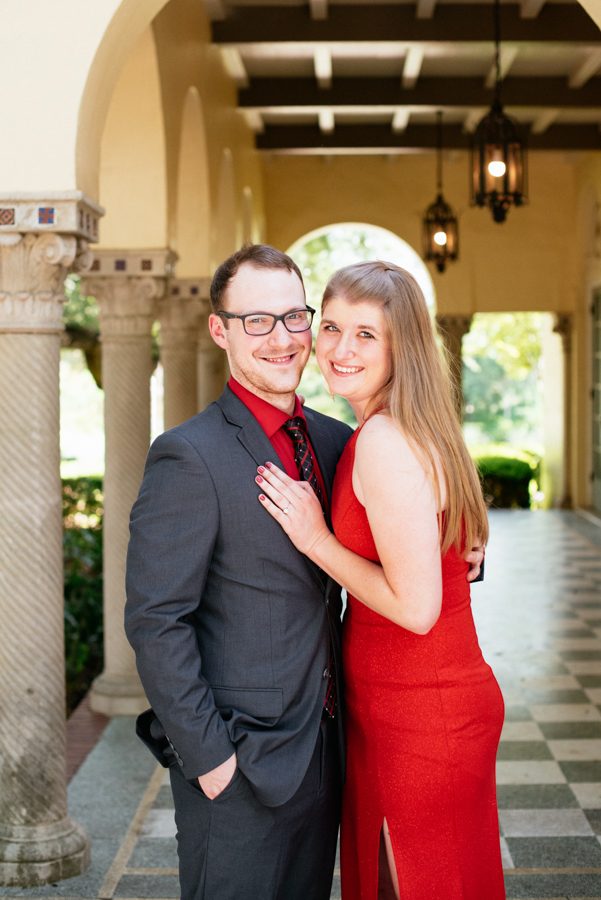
{"x": 259, "y": 703}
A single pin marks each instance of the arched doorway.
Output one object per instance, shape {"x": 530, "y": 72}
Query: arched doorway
{"x": 319, "y": 254}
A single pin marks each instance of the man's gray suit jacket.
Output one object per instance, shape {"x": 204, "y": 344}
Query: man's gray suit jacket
{"x": 231, "y": 625}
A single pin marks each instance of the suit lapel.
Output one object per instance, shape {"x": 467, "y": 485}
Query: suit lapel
{"x": 251, "y": 435}
{"x": 256, "y": 443}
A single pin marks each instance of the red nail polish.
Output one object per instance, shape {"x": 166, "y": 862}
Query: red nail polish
{"x": 262, "y": 497}
{"x": 258, "y": 479}
{"x": 269, "y": 465}
{"x": 261, "y": 469}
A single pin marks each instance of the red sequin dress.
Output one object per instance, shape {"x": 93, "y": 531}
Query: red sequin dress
{"x": 424, "y": 719}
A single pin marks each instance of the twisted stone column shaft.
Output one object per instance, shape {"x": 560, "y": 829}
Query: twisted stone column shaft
{"x": 126, "y": 368}
{"x": 38, "y": 841}
{"x": 127, "y": 309}
{"x": 32, "y": 667}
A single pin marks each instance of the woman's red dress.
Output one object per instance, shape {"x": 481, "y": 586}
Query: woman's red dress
{"x": 424, "y": 719}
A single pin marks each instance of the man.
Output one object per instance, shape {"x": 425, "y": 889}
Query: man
{"x": 236, "y": 633}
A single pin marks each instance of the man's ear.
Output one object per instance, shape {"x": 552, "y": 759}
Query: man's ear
{"x": 218, "y": 331}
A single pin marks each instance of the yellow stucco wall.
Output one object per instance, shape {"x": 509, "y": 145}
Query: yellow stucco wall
{"x": 527, "y": 263}
{"x": 176, "y": 156}
{"x": 186, "y": 58}
{"x": 132, "y": 168}
{"x": 541, "y": 259}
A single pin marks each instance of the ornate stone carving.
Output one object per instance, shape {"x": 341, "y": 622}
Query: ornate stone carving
{"x": 452, "y": 329}
{"x": 563, "y": 326}
{"x": 179, "y": 318}
{"x": 66, "y": 212}
{"x": 38, "y": 841}
{"x": 127, "y": 305}
{"x": 180, "y": 314}
{"x": 32, "y": 271}
{"x": 159, "y": 262}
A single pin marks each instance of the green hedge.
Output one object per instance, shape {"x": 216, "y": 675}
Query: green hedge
{"x": 506, "y": 479}
{"x": 82, "y": 560}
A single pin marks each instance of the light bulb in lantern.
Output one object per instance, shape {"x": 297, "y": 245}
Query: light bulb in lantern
{"x": 440, "y": 238}
{"x": 497, "y": 168}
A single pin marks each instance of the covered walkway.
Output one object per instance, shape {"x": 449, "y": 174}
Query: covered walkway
{"x": 539, "y": 619}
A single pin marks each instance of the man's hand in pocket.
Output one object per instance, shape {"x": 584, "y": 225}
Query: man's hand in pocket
{"x": 216, "y": 781}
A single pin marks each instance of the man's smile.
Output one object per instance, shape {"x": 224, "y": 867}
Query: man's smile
{"x": 279, "y": 360}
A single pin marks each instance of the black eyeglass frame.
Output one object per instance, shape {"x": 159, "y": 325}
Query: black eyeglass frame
{"x": 276, "y": 319}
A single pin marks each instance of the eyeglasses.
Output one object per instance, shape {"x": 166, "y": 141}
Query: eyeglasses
{"x": 263, "y": 323}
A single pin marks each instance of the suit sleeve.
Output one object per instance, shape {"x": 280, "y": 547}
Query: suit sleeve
{"x": 173, "y": 529}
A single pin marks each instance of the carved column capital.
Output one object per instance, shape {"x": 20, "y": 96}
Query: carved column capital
{"x": 180, "y": 318}
{"x": 563, "y": 326}
{"x": 455, "y": 326}
{"x": 33, "y": 268}
{"x": 127, "y": 305}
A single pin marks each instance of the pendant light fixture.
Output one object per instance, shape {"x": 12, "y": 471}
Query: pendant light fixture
{"x": 499, "y": 171}
{"x": 440, "y": 232}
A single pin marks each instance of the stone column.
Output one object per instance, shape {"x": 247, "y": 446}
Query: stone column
{"x": 563, "y": 326}
{"x": 179, "y": 314}
{"x": 127, "y": 307}
{"x": 39, "y": 843}
{"x": 128, "y": 296}
{"x": 212, "y": 368}
{"x": 451, "y": 329}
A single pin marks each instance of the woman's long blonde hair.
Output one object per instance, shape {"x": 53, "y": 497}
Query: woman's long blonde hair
{"x": 418, "y": 394}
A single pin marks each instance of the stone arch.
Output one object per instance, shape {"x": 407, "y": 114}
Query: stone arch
{"x": 225, "y": 236}
{"x": 193, "y": 211}
{"x": 120, "y": 36}
{"x": 384, "y": 242}
{"x": 133, "y": 158}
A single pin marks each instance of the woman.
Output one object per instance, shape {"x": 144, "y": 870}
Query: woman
{"x": 424, "y": 710}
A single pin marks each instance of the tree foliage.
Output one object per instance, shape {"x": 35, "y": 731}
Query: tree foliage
{"x": 79, "y": 311}
{"x": 502, "y": 378}
{"x": 82, "y": 562}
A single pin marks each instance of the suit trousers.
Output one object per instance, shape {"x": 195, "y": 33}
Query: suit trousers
{"x": 235, "y": 848}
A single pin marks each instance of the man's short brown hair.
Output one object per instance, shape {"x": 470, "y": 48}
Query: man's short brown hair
{"x": 260, "y": 256}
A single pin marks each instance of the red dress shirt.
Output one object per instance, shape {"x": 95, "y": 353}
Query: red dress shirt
{"x": 271, "y": 419}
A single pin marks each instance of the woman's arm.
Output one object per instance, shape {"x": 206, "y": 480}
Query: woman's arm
{"x": 401, "y": 510}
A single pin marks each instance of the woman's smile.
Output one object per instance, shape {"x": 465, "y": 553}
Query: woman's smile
{"x": 345, "y": 370}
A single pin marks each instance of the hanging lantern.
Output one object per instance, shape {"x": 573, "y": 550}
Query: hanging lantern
{"x": 499, "y": 162}
{"x": 439, "y": 229}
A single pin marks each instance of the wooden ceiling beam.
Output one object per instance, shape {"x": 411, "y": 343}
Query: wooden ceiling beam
{"x": 412, "y": 66}
{"x": 465, "y": 22}
{"x": 296, "y": 92}
{"x": 310, "y": 139}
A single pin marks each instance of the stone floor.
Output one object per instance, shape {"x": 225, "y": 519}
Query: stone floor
{"x": 539, "y": 619}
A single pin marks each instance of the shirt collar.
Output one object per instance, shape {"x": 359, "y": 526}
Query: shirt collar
{"x": 269, "y": 417}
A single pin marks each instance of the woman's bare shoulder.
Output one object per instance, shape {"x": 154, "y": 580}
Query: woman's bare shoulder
{"x": 382, "y": 434}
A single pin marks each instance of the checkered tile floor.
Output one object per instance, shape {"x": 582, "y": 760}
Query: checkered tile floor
{"x": 539, "y": 619}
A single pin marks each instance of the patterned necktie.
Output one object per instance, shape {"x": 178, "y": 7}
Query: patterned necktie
{"x": 295, "y": 428}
